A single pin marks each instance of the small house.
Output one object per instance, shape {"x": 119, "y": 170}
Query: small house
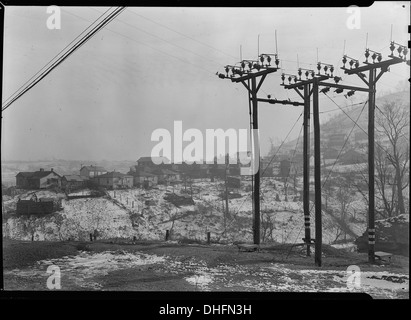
{"x": 73, "y": 181}
{"x": 144, "y": 179}
{"x": 92, "y": 171}
{"x": 166, "y": 176}
{"x": 38, "y": 180}
{"x": 114, "y": 180}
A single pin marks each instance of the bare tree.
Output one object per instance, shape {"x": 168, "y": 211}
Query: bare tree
{"x": 393, "y": 125}
{"x": 385, "y": 178}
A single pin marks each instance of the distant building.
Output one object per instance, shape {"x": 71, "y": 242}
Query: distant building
{"x": 166, "y": 176}
{"x": 92, "y": 171}
{"x": 144, "y": 179}
{"x": 114, "y": 180}
{"x": 38, "y": 180}
{"x": 73, "y": 181}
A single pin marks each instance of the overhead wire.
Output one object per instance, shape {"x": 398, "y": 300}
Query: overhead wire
{"x": 329, "y": 173}
{"x": 210, "y": 73}
{"x": 238, "y": 210}
{"x": 182, "y": 34}
{"x": 61, "y": 51}
{"x": 379, "y": 145}
{"x": 73, "y": 48}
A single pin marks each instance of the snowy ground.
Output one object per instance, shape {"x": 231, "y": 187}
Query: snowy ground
{"x": 87, "y": 271}
{"x": 145, "y": 214}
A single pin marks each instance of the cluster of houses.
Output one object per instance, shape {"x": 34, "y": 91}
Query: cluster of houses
{"x": 147, "y": 173}
{"x": 88, "y": 176}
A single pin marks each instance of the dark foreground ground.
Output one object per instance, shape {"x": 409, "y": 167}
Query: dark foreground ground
{"x": 170, "y": 266}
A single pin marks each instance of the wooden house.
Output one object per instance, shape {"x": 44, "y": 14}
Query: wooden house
{"x": 38, "y": 180}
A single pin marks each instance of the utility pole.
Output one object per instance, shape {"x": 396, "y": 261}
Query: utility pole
{"x": 257, "y": 216}
{"x": 373, "y": 77}
{"x": 305, "y": 85}
{"x": 317, "y": 176}
{"x": 316, "y": 80}
{"x": 306, "y": 168}
{"x": 250, "y": 70}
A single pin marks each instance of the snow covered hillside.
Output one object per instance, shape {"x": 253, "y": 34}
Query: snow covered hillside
{"x": 145, "y": 214}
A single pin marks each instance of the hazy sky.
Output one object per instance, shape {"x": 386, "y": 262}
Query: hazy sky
{"x": 152, "y": 66}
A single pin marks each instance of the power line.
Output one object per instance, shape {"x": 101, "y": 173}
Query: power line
{"x": 272, "y": 158}
{"x": 336, "y": 160}
{"x": 344, "y": 144}
{"x": 54, "y": 57}
{"x": 379, "y": 145}
{"x": 81, "y": 42}
{"x": 238, "y": 210}
{"x": 210, "y": 73}
{"x": 350, "y": 106}
{"x": 292, "y": 158}
{"x": 182, "y": 34}
{"x": 169, "y": 42}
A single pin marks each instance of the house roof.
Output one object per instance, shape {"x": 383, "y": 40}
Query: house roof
{"x": 74, "y": 177}
{"x": 41, "y": 174}
{"x": 93, "y": 168}
{"x": 25, "y": 174}
{"x": 36, "y": 174}
{"x": 113, "y": 174}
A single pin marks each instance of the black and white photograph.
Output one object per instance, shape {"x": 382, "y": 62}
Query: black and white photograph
{"x": 184, "y": 149}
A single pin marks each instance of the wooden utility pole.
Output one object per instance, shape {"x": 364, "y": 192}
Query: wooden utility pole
{"x": 251, "y": 70}
{"x": 373, "y": 77}
{"x": 316, "y": 81}
{"x": 371, "y": 167}
{"x": 306, "y": 167}
{"x": 317, "y": 176}
{"x": 257, "y": 216}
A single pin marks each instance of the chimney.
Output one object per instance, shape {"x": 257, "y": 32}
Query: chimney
{"x": 51, "y": 170}
{"x": 41, "y": 169}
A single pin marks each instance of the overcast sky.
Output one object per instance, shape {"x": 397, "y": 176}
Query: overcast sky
{"x": 152, "y": 66}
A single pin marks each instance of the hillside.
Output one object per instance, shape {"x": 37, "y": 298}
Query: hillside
{"x": 146, "y": 215}
{"x": 341, "y": 123}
